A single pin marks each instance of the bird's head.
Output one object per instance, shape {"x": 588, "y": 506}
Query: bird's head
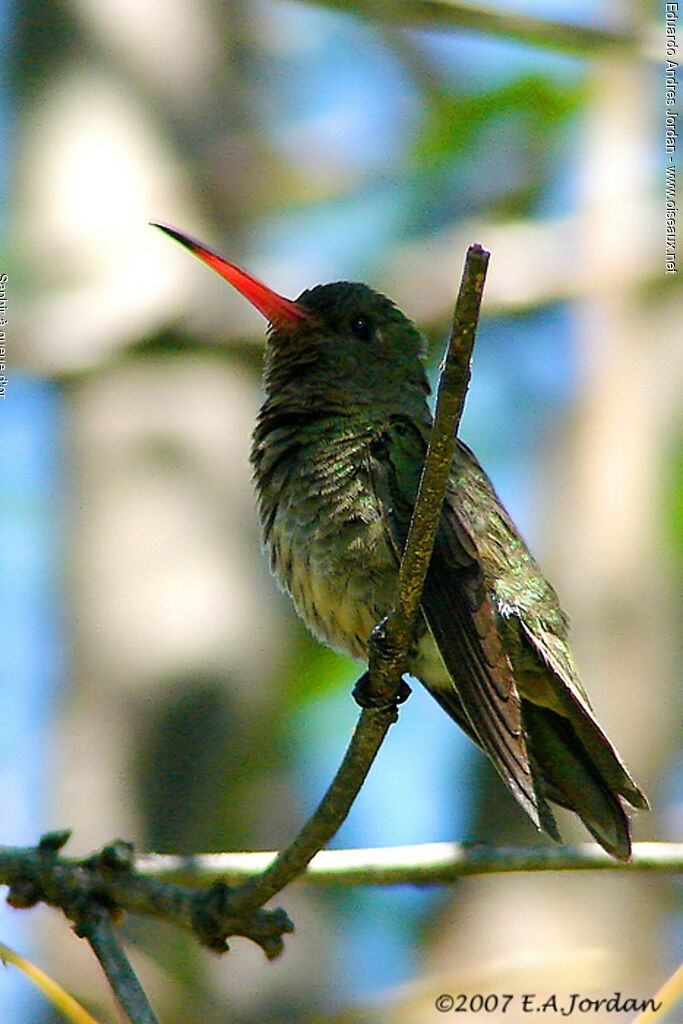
{"x": 341, "y": 344}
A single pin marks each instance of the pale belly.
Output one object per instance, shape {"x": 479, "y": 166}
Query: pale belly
{"x": 342, "y": 581}
{"x": 427, "y": 665}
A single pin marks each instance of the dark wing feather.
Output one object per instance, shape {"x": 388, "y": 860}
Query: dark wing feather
{"x": 553, "y": 653}
{"x": 460, "y": 617}
{"x": 572, "y": 778}
{"x": 462, "y": 620}
{"x": 575, "y": 761}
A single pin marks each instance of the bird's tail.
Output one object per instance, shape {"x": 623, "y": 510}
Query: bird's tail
{"x": 582, "y": 779}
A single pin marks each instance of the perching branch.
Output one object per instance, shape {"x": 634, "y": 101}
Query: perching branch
{"x": 444, "y": 15}
{"x": 454, "y": 380}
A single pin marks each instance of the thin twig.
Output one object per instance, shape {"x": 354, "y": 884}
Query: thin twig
{"x": 422, "y": 864}
{"x": 366, "y": 740}
{"x": 665, "y": 998}
{"x": 445, "y": 15}
{"x": 391, "y": 640}
{"x": 454, "y": 381}
{"x": 51, "y": 989}
{"x": 96, "y": 926}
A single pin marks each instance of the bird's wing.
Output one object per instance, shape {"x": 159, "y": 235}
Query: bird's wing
{"x": 535, "y": 632}
{"x": 573, "y": 704}
{"x": 460, "y": 615}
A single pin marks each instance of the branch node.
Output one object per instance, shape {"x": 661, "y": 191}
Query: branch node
{"x": 214, "y": 918}
{"x": 82, "y": 919}
{"x": 118, "y": 856}
{"x": 24, "y": 894}
{"x": 209, "y": 917}
{"x": 274, "y": 924}
{"x": 52, "y": 842}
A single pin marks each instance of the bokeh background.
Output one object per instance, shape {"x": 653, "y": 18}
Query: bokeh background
{"x": 155, "y": 683}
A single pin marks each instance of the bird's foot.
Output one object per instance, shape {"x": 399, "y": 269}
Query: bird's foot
{"x": 365, "y": 697}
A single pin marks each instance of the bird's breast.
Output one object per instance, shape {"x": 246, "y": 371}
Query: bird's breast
{"x": 325, "y": 533}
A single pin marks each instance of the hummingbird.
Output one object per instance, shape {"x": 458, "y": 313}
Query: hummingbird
{"x": 337, "y": 453}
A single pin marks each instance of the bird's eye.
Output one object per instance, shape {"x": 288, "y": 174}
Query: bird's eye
{"x": 361, "y": 327}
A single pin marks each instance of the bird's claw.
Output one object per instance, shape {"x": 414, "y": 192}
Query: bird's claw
{"x": 366, "y": 697}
